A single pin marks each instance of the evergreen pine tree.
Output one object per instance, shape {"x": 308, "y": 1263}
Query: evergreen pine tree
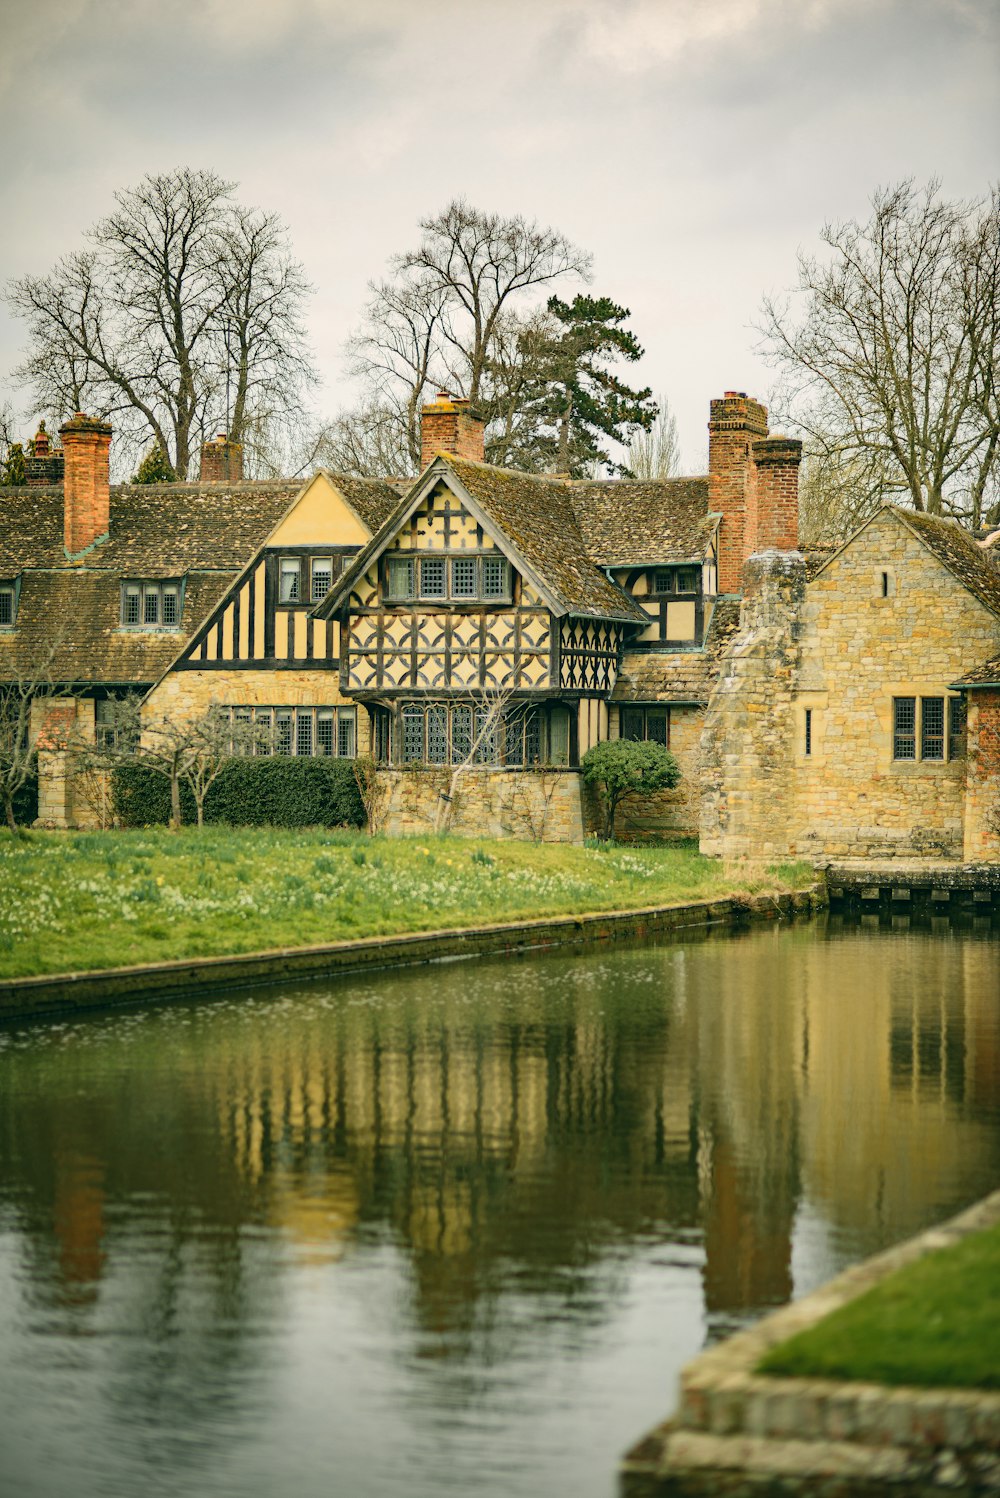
{"x": 13, "y": 469}
{"x": 579, "y": 402}
{"x": 154, "y": 468}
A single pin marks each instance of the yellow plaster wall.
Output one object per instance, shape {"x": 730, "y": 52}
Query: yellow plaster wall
{"x": 320, "y": 517}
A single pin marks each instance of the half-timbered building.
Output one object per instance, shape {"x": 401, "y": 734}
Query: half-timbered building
{"x": 817, "y": 705}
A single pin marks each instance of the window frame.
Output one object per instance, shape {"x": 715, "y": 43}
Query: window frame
{"x": 520, "y": 740}
{"x": 416, "y": 590}
{"x": 645, "y": 709}
{"x": 9, "y": 589}
{"x": 295, "y": 726}
{"x": 936, "y": 721}
{"x": 156, "y": 591}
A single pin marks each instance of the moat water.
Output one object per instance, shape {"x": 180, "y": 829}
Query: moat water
{"x": 454, "y": 1230}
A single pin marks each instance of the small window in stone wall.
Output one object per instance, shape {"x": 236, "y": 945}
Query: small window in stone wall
{"x": 919, "y": 727}
{"x": 956, "y": 727}
{"x": 646, "y": 724}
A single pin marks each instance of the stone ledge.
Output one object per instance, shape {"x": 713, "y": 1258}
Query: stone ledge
{"x": 103, "y": 988}
{"x": 740, "y": 1432}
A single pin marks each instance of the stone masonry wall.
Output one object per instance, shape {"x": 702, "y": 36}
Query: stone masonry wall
{"x": 746, "y": 749}
{"x": 674, "y": 813}
{"x": 860, "y": 649}
{"x": 530, "y": 805}
{"x": 982, "y": 796}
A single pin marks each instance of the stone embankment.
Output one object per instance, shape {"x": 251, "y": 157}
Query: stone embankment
{"x": 741, "y": 1434}
{"x": 72, "y": 993}
{"x": 931, "y": 886}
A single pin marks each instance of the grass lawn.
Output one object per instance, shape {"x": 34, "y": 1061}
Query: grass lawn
{"x": 934, "y": 1323}
{"x": 72, "y": 901}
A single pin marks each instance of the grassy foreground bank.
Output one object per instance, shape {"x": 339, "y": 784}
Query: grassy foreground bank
{"x": 934, "y": 1323}
{"x": 75, "y": 901}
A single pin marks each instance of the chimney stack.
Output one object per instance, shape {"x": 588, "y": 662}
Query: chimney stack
{"x": 86, "y": 482}
{"x": 221, "y": 461}
{"x": 43, "y": 466}
{"x": 735, "y": 423}
{"x": 448, "y": 425}
{"x": 777, "y": 460}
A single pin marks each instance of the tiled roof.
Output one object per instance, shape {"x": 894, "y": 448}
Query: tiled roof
{"x": 986, "y": 675}
{"x": 956, "y": 548}
{"x": 156, "y": 530}
{"x": 678, "y": 675}
{"x": 538, "y": 515}
{"x": 78, "y": 613}
{"x": 205, "y": 533}
{"x": 372, "y": 500}
{"x": 628, "y": 523}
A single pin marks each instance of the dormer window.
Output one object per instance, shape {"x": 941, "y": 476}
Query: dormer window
{"x": 673, "y": 580}
{"x": 8, "y": 605}
{"x": 151, "y": 605}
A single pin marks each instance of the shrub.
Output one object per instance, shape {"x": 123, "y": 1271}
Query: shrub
{"x": 277, "y": 791}
{"x": 25, "y": 800}
{"x": 624, "y": 769}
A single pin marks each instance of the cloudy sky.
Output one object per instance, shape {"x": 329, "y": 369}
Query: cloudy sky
{"x": 692, "y": 145}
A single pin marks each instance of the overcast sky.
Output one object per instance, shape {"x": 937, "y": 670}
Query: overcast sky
{"x": 692, "y": 145}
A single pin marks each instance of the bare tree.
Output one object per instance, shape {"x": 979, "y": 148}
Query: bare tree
{"x": 656, "y": 453}
{"x": 374, "y": 790}
{"x": 22, "y": 725}
{"x": 474, "y": 733}
{"x": 460, "y": 313}
{"x": 185, "y": 309}
{"x": 892, "y": 366}
{"x": 370, "y": 441}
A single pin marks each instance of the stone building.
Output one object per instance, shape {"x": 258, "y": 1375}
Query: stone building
{"x": 844, "y": 703}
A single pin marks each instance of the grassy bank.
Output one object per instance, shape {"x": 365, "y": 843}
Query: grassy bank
{"x": 935, "y": 1323}
{"x": 74, "y": 901}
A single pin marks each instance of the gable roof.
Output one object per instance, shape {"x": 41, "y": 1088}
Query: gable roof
{"x": 205, "y": 533}
{"x": 629, "y": 523}
{"x": 953, "y": 546}
{"x": 531, "y": 518}
{"x": 372, "y": 500}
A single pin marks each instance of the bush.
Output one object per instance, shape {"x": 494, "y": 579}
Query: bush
{"x": 277, "y": 791}
{"x": 623, "y": 769}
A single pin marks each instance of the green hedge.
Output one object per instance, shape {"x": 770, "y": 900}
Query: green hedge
{"x": 275, "y": 792}
{"x": 25, "y": 801}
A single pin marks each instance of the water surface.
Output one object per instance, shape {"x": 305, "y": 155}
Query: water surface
{"x": 455, "y": 1229}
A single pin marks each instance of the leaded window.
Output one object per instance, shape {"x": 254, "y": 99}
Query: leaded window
{"x": 495, "y": 577}
{"x": 432, "y": 577}
{"x": 438, "y": 748}
{"x": 150, "y": 605}
{"x": 7, "y": 601}
{"x": 413, "y": 734}
{"x": 463, "y": 577}
{"x": 904, "y": 728}
{"x": 382, "y": 736}
{"x": 441, "y": 732}
{"x": 646, "y": 725}
{"x": 322, "y": 577}
{"x": 675, "y": 580}
{"x": 302, "y": 731}
{"x": 115, "y": 725}
{"x": 932, "y": 728}
{"x": 922, "y": 728}
{"x": 461, "y": 732}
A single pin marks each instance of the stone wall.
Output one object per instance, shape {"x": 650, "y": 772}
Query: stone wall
{"x": 748, "y": 775}
{"x": 865, "y": 640}
{"x": 542, "y": 805}
{"x": 982, "y": 795}
{"x": 668, "y": 814}
{"x": 184, "y": 695}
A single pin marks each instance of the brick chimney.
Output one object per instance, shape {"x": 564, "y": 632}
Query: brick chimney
{"x": 221, "y": 461}
{"x": 448, "y": 425}
{"x": 735, "y": 423}
{"x": 43, "y": 466}
{"x": 86, "y": 443}
{"x": 777, "y": 460}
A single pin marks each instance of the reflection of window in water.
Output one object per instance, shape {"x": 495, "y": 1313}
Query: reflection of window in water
{"x": 927, "y": 1046}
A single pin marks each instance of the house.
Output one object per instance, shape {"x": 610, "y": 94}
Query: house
{"x": 818, "y": 705}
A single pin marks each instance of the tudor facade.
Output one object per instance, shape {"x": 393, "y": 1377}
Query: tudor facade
{"x": 818, "y": 706}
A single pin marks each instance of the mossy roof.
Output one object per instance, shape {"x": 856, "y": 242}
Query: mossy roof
{"x": 955, "y": 547}
{"x": 204, "y": 533}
